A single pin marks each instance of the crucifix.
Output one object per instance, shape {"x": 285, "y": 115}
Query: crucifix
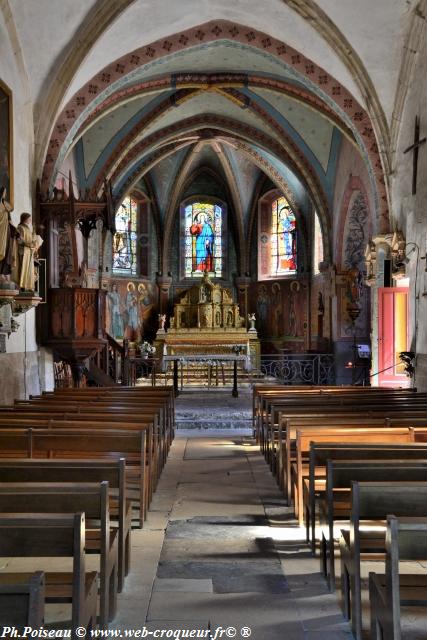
{"x": 415, "y": 148}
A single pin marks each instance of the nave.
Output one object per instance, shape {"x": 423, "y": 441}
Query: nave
{"x": 220, "y": 549}
{"x": 192, "y": 533}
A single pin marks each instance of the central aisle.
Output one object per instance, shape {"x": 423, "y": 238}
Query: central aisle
{"x": 219, "y": 549}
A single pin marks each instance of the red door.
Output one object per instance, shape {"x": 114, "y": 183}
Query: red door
{"x": 392, "y": 335}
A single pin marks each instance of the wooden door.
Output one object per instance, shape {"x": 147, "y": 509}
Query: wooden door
{"x": 392, "y": 335}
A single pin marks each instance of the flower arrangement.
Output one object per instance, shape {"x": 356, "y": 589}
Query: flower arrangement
{"x": 147, "y": 349}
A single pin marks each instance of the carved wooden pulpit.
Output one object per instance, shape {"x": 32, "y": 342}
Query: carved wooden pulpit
{"x": 76, "y": 321}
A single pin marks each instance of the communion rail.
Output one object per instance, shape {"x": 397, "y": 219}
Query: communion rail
{"x": 299, "y": 368}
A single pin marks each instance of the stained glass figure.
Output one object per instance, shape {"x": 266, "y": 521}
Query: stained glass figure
{"x": 203, "y": 241}
{"x": 124, "y": 243}
{"x": 283, "y": 238}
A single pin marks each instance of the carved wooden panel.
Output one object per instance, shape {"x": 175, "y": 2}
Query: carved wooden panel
{"x": 61, "y": 313}
{"x": 76, "y": 313}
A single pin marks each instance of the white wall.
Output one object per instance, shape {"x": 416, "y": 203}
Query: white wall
{"x": 19, "y": 366}
{"x": 410, "y": 212}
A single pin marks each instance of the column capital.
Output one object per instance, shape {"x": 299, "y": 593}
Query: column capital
{"x": 242, "y": 282}
{"x": 164, "y": 282}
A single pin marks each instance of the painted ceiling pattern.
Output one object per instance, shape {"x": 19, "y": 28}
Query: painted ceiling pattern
{"x": 139, "y": 105}
{"x": 220, "y": 98}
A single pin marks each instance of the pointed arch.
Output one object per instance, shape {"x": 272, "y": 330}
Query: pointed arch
{"x": 184, "y": 180}
{"x": 366, "y": 128}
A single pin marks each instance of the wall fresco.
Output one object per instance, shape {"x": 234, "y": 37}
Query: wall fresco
{"x": 281, "y": 310}
{"x": 131, "y": 309}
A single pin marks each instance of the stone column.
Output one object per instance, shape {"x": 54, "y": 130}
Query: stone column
{"x": 164, "y": 284}
{"x": 242, "y": 284}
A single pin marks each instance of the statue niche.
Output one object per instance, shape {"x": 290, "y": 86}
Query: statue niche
{"x": 207, "y": 306}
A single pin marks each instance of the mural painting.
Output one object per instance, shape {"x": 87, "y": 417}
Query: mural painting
{"x": 131, "y": 310}
{"x": 6, "y": 172}
{"x": 281, "y": 309}
{"x": 356, "y": 234}
{"x": 361, "y": 325}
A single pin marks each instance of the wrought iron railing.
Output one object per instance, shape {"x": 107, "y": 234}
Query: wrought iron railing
{"x": 299, "y": 368}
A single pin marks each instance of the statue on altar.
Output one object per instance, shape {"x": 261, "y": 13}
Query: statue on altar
{"x": 252, "y": 318}
{"x": 162, "y": 321}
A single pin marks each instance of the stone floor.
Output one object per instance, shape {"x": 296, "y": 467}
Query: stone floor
{"x": 219, "y": 549}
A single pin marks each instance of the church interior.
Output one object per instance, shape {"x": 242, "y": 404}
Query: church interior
{"x": 213, "y": 318}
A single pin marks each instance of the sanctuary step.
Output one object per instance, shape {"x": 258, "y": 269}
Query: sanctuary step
{"x": 202, "y": 409}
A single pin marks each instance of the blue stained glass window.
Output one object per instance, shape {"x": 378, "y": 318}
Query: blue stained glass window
{"x": 125, "y": 238}
{"x": 203, "y": 240}
{"x": 283, "y": 238}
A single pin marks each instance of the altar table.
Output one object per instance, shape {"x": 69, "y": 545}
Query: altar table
{"x": 209, "y": 360}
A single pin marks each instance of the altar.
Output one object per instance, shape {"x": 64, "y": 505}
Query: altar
{"x": 207, "y": 322}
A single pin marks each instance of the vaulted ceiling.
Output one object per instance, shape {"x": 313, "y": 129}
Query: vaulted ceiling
{"x": 127, "y": 89}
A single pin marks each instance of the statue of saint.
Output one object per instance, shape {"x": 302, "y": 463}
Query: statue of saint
{"x": 252, "y": 319}
{"x": 28, "y": 245}
{"x": 162, "y": 321}
{"x": 8, "y": 236}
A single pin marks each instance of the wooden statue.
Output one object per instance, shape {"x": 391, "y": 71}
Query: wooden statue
{"x": 28, "y": 245}
{"x": 8, "y": 236}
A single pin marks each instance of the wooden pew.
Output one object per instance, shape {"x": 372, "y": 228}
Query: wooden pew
{"x": 335, "y": 505}
{"x": 300, "y": 469}
{"x": 406, "y": 539}
{"x": 345, "y": 406}
{"x": 312, "y": 401}
{"x": 107, "y": 420}
{"x": 22, "y": 599}
{"x": 261, "y": 393}
{"x": 72, "y": 471}
{"x": 86, "y": 444}
{"x": 102, "y": 422}
{"x": 55, "y": 536}
{"x": 106, "y": 411}
{"x": 288, "y": 449}
{"x": 372, "y": 501}
{"x": 321, "y": 452}
{"x": 287, "y": 433}
{"x": 92, "y": 499}
{"x": 164, "y": 395}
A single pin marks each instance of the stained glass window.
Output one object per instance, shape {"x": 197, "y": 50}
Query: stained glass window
{"x": 125, "y": 238}
{"x": 203, "y": 239}
{"x": 318, "y": 245}
{"x": 283, "y": 238}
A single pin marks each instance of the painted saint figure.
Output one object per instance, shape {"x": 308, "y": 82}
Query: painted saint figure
{"x": 202, "y": 232}
{"x": 132, "y": 310}
{"x": 116, "y": 320}
{"x": 287, "y": 229}
{"x": 145, "y": 307}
